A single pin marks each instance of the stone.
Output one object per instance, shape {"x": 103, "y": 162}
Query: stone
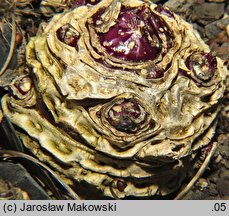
{"x": 197, "y": 11}
{"x": 207, "y": 13}
{"x": 182, "y": 7}
{"x": 213, "y": 29}
{"x": 223, "y": 186}
{"x": 217, "y": 0}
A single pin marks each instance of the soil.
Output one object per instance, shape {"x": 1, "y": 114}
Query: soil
{"x": 209, "y": 17}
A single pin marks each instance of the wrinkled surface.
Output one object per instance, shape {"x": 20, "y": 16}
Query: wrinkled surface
{"x": 125, "y": 92}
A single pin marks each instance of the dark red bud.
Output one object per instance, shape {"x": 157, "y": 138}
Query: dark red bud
{"x": 203, "y": 65}
{"x": 68, "y": 35}
{"x": 84, "y": 2}
{"x": 126, "y": 116}
{"x": 155, "y": 73}
{"x": 135, "y": 36}
{"x": 24, "y": 85}
{"x": 121, "y": 185}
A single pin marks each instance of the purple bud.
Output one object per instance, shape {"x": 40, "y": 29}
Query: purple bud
{"x": 203, "y": 65}
{"x": 155, "y": 73}
{"x": 84, "y": 2}
{"x": 68, "y": 35}
{"x": 24, "y": 85}
{"x": 136, "y": 35}
{"x": 121, "y": 185}
{"x": 126, "y": 116}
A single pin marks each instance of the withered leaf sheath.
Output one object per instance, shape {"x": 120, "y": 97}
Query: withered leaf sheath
{"x": 125, "y": 92}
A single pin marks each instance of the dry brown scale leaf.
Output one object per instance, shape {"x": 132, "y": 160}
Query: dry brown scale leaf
{"x": 10, "y": 192}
